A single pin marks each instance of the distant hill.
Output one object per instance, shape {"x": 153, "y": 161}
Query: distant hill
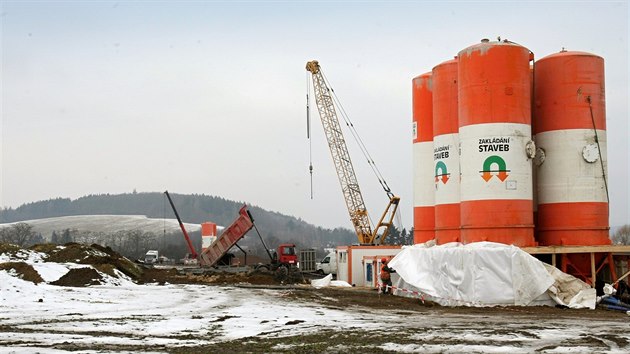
{"x": 106, "y": 224}
{"x": 193, "y": 209}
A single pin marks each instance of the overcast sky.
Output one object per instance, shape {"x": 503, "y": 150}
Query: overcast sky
{"x": 209, "y": 97}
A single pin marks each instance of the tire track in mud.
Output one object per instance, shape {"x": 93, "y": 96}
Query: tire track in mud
{"x": 510, "y": 334}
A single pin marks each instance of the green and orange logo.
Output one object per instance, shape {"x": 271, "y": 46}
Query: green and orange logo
{"x": 501, "y": 170}
{"x": 441, "y": 173}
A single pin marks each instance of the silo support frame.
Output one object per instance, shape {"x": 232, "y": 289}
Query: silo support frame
{"x": 598, "y": 256}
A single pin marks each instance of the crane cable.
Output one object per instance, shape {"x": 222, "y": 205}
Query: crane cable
{"x": 363, "y": 148}
{"x": 308, "y": 131}
{"x": 359, "y": 141}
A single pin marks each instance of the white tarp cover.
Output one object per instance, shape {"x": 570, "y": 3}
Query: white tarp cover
{"x": 570, "y": 291}
{"x": 327, "y": 281}
{"x": 476, "y": 274}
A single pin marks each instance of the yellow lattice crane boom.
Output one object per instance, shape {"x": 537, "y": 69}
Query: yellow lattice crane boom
{"x": 343, "y": 165}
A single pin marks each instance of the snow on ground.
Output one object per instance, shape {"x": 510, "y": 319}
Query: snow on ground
{"x": 157, "y": 314}
{"x": 51, "y": 271}
{"x": 194, "y": 315}
{"x": 107, "y": 223}
{"x": 122, "y": 314}
{"x": 24, "y": 255}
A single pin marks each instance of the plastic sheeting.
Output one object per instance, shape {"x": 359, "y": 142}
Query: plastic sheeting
{"x": 327, "y": 281}
{"x": 483, "y": 274}
{"x": 570, "y": 291}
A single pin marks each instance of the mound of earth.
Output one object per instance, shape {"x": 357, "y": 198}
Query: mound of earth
{"x": 103, "y": 258}
{"x": 24, "y": 271}
{"x": 9, "y": 248}
{"x": 114, "y": 259}
{"x": 79, "y": 277}
{"x": 107, "y": 261}
{"x": 47, "y": 248}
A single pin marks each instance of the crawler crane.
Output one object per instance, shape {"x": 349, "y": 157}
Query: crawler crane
{"x": 345, "y": 170}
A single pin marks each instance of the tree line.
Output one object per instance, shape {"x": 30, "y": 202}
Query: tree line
{"x": 133, "y": 244}
{"x": 275, "y": 227}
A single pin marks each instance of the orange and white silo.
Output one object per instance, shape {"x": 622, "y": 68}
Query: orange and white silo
{"x": 570, "y": 133}
{"x": 423, "y": 186}
{"x": 496, "y": 148}
{"x": 446, "y": 152}
{"x": 534, "y": 179}
{"x": 208, "y": 234}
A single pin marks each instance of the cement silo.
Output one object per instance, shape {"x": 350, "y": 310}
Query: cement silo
{"x": 446, "y": 152}
{"x": 570, "y": 133}
{"x": 208, "y": 234}
{"x": 496, "y": 148}
{"x": 423, "y": 186}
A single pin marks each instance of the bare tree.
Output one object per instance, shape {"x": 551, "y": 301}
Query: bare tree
{"x": 622, "y": 236}
{"x": 20, "y": 234}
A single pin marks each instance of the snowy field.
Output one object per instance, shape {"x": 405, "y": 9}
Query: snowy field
{"x": 107, "y": 224}
{"x": 123, "y": 317}
{"x": 132, "y": 318}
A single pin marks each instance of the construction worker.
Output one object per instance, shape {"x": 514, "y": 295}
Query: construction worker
{"x": 386, "y": 278}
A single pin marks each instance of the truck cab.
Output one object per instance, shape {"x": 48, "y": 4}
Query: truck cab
{"x": 287, "y": 255}
{"x": 328, "y": 264}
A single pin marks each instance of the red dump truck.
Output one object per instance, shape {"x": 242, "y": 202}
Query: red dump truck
{"x": 228, "y": 238}
{"x": 283, "y": 262}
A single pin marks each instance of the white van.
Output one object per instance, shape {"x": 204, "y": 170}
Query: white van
{"x": 328, "y": 265}
{"x": 151, "y": 257}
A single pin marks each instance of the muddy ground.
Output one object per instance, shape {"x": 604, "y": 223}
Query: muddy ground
{"x": 106, "y": 260}
{"x": 361, "y": 297}
{"x": 396, "y": 324}
{"x": 371, "y": 323}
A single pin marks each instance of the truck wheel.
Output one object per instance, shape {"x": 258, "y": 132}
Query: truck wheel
{"x": 263, "y": 268}
{"x": 282, "y": 273}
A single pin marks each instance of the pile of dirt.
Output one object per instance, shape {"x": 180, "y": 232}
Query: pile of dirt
{"x": 68, "y": 253}
{"x": 79, "y": 277}
{"x": 23, "y": 270}
{"x": 47, "y": 248}
{"x": 109, "y": 262}
{"x": 103, "y": 258}
{"x": 114, "y": 259}
{"x": 9, "y": 249}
